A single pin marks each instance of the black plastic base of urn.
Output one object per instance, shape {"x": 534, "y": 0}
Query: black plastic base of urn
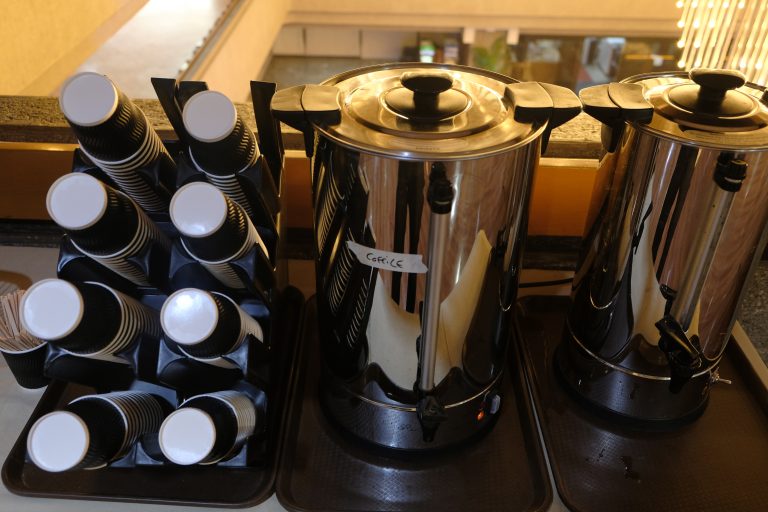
{"x": 633, "y": 398}
{"x": 717, "y": 462}
{"x": 322, "y": 468}
{"x": 396, "y": 426}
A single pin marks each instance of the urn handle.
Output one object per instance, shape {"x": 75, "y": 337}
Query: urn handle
{"x": 303, "y": 106}
{"x": 614, "y": 105}
{"x": 543, "y": 103}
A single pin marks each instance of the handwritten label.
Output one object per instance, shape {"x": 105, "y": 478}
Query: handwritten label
{"x": 385, "y": 260}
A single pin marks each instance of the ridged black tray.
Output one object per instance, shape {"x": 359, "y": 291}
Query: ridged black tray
{"x": 321, "y": 469}
{"x": 210, "y": 486}
{"x": 717, "y": 462}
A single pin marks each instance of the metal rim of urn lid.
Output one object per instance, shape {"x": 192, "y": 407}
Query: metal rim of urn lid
{"x": 483, "y": 391}
{"x": 88, "y": 98}
{"x": 744, "y": 129}
{"x": 485, "y": 127}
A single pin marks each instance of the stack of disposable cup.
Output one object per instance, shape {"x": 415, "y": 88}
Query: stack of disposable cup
{"x": 221, "y": 145}
{"x": 214, "y": 229}
{"x": 208, "y": 428}
{"x": 115, "y": 135}
{"x": 103, "y": 223}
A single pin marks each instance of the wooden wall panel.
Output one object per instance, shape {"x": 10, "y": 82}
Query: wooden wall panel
{"x": 26, "y": 172}
{"x": 561, "y": 190}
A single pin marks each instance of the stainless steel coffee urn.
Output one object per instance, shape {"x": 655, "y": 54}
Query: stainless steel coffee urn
{"x": 677, "y": 222}
{"x": 421, "y": 178}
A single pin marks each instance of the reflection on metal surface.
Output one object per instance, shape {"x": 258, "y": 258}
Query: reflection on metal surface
{"x": 371, "y": 319}
{"x": 663, "y": 240}
{"x": 485, "y": 127}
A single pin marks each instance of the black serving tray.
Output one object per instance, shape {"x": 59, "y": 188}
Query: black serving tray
{"x": 321, "y": 469}
{"x": 210, "y": 486}
{"x": 717, "y": 462}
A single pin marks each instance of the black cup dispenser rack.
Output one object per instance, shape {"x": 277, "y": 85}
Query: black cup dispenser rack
{"x": 261, "y": 370}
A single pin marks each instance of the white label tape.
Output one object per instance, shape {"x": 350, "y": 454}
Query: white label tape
{"x": 385, "y": 260}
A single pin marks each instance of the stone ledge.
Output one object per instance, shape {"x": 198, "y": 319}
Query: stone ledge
{"x": 38, "y": 119}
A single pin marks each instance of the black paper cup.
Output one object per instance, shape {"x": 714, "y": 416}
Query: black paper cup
{"x": 208, "y": 428}
{"x": 147, "y": 234}
{"x": 99, "y": 219}
{"x": 212, "y": 226}
{"x": 206, "y": 325}
{"x": 103, "y": 223}
{"x": 114, "y": 134}
{"x": 131, "y": 182}
{"x": 94, "y": 430}
{"x": 79, "y": 318}
{"x": 28, "y": 366}
{"x": 106, "y": 123}
{"x": 88, "y": 319}
{"x": 85, "y": 435}
{"x": 220, "y": 144}
{"x": 136, "y": 319}
{"x": 214, "y": 229}
{"x": 232, "y": 188}
{"x": 143, "y": 412}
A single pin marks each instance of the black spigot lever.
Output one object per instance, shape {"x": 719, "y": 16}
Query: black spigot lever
{"x": 683, "y": 354}
{"x": 431, "y": 414}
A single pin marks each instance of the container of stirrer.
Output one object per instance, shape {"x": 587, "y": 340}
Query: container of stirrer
{"x": 24, "y": 353}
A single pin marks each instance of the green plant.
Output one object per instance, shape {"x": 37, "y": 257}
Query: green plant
{"x": 497, "y": 57}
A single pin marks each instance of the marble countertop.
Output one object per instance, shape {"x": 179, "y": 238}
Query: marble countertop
{"x": 753, "y": 314}
{"x": 38, "y": 119}
{"x": 17, "y": 404}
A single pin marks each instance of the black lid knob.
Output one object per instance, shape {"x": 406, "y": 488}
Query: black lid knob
{"x": 713, "y": 94}
{"x": 714, "y": 83}
{"x": 427, "y": 83}
{"x": 426, "y": 97}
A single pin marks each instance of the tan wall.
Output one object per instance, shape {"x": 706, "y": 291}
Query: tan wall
{"x": 43, "y": 41}
{"x": 592, "y": 17}
{"x": 243, "y": 50}
{"x": 561, "y": 196}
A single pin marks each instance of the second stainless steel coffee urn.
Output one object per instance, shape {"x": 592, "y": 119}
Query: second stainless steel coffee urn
{"x": 677, "y": 222}
{"x": 421, "y": 179}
